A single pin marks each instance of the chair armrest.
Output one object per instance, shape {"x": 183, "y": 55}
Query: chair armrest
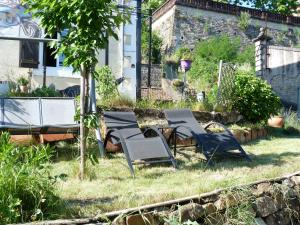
{"x": 108, "y": 134}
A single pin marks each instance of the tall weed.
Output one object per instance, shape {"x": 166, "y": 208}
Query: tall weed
{"x": 27, "y": 191}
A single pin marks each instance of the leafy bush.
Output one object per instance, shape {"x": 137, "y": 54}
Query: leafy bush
{"x": 23, "y": 81}
{"x": 244, "y": 20}
{"x": 184, "y": 53}
{"x": 26, "y": 191}
{"x": 106, "y": 85}
{"x": 156, "y": 56}
{"x": 291, "y": 122}
{"x": 45, "y": 92}
{"x": 207, "y": 56}
{"x": 254, "y": 98}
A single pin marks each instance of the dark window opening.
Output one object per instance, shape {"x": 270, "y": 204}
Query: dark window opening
{"x": 29, "y": 54}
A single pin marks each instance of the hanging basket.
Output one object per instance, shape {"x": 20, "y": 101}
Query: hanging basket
{"x": 185, "y": 64}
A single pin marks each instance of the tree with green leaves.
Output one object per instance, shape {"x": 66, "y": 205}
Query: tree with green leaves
{"x": 88, "y": 25}
{"x": 286, "y": 7}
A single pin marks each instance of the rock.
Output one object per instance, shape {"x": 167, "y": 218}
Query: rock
{"x": 142, "y": 219}
{"x": 279, "y": 218}
{"x": 209, "y": 208}
{"x": 192, "y": 211}
{"x": 289, "y": 182}
{"x": 294, "y": 204}
{"x": 226, "y": 201}
{"x": 262, "y": 189}
{"x": 259, "y": 221}
{"x": 296, "y": 180}
{"x": 265, "y": 206}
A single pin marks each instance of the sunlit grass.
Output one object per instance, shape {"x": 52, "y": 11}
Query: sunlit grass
{"x": 109, "y": 185}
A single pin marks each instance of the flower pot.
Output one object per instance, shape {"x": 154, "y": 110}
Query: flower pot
{"x": 23, "y": 89}
{"x": 185, "y": 64}
{"x": 276, "y": 121}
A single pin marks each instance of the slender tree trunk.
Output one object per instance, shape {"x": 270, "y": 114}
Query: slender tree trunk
{"x": 82, "y": 128}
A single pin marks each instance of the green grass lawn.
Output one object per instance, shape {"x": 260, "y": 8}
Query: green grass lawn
{"x": 110, "y": 187}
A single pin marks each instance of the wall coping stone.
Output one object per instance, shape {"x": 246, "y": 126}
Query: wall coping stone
{"x": 227, "y": 9}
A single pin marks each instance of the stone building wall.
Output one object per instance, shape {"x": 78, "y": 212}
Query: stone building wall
{"x": 181, "y": 23}
{"x": 283, "y": 73}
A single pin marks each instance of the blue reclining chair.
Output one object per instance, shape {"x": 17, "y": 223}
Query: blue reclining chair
{"x": 122, "y": 128}
{"x": 186, "y": 126}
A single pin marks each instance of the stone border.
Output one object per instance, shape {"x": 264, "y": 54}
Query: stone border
{"x": 227, "y": 9}
{"x": 205, "y": 198}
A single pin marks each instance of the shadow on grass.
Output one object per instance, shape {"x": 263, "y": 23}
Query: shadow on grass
{"x": 225, "y": 162}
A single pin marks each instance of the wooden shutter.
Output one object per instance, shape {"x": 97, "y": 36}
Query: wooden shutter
{"x": 29, "y": 54}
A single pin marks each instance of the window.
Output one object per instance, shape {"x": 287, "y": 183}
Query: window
{"x": 127, "y": 39}
{"x": 29, "y": 54}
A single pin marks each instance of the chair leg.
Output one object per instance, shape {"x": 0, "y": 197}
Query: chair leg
{"x": 129, "y": 162}
{"x": 175, "y": 144}
{"x": 244, "y": 154}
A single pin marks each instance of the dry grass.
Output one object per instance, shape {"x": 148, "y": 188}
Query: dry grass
{"x": 110, "y": 187}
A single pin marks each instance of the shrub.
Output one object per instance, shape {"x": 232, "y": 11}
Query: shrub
{"x": 183, "y": 53}
{"x": 244, "y": 20}
{"x": 106, "y": 83}
{"x": 45, "y": 92}
{"x": 291, "y": 122}
{"x": 26, "y": 191}
{"x": 254, "y": 98}
{"x": 23, "y": 81}
{"x": 207, "y": 56}
{"x": 156, "y": 56}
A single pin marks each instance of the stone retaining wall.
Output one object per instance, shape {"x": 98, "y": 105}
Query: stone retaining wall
{"x": 271, "y": 202}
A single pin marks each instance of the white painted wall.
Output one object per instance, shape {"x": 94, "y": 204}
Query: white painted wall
{"x": 62, "y": 77}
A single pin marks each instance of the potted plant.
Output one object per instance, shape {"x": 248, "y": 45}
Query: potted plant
{"x": 186, "y": 61}
{"x": 184, "y": 55}
{"x": 276, "y": 121}
{"x": 23, "y": 84}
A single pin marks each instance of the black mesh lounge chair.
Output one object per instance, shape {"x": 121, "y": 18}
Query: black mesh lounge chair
{"x": 122, "y": 128}
{"x": 38, "y": 115}
{"x": 186, "y": 126}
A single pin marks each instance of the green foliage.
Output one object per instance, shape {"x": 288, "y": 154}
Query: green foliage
{"x": 210, "y": 101}
{"x": 87, "y": 24}
{"x": 291, "y": 122}
{"x": 152, "y": 4}
{"x": 106, "y": 83}
{"x": 183, "y": 53}
{"x": 23, "y": 81}
{"x": 26, "y": 189}
{"x": 244, "y": 20}
{"x": 45, "y": 92}
{"x": 286, "y": 7}
{"x": 241, "y": 213}
{"x": 254, "y": 98}
{"x": 176, "y": 221}
{"x": 156, "y": 56}
{"x": 247, "y": 55}
{"x": 207, "y": 56}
